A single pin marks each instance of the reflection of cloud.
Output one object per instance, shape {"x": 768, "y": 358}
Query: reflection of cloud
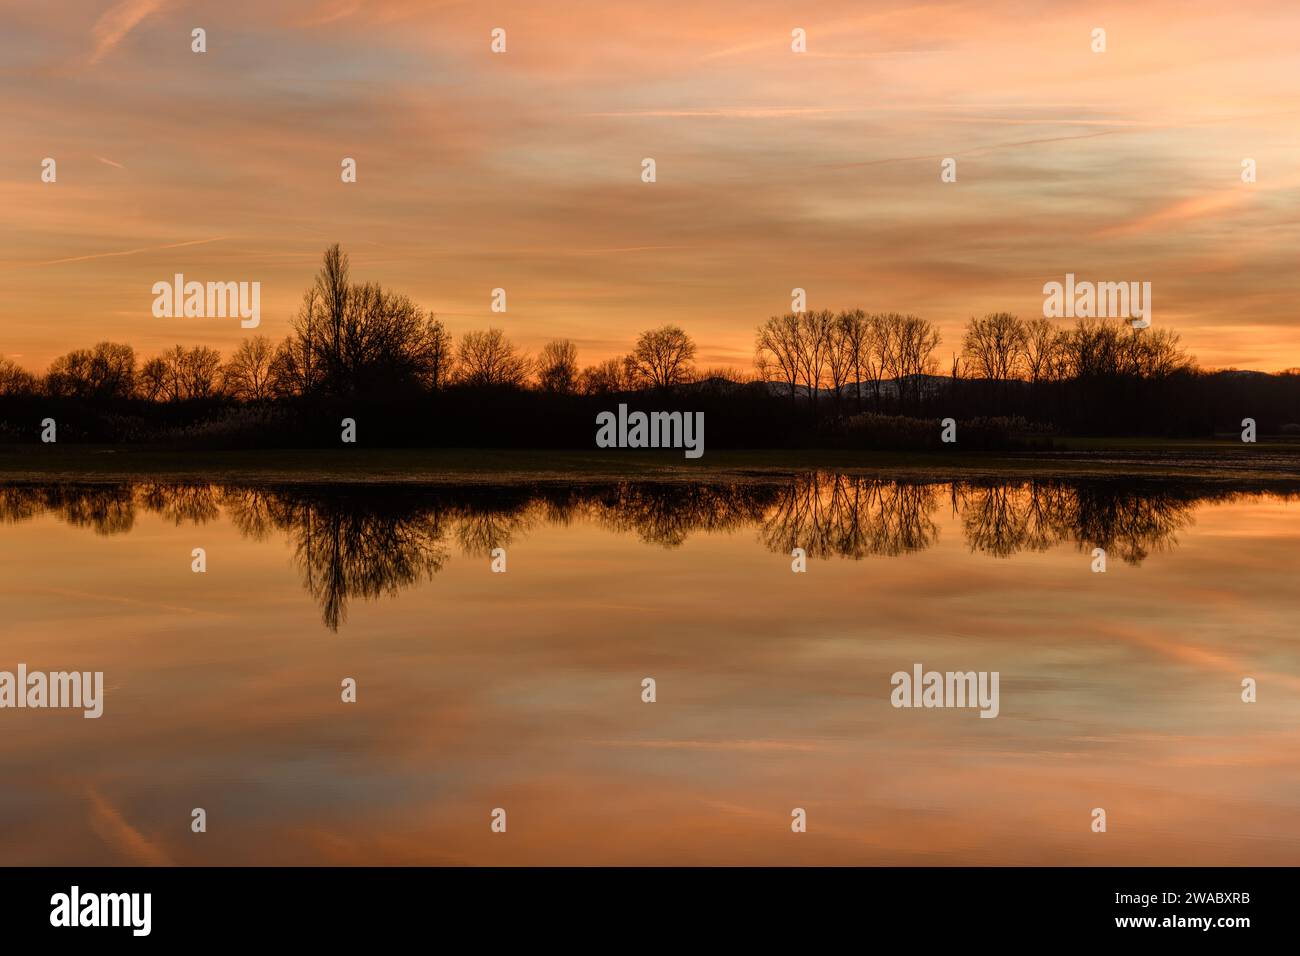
{"x": 111, "y": 827}
{"x": 1230, "y": 665}
{"x": 756, "y": 746}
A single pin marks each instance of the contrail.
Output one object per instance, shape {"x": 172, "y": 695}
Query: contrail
{"x": 126, "y": 252}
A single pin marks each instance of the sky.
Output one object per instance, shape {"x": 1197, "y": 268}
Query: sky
{"x": 775, "y": 170}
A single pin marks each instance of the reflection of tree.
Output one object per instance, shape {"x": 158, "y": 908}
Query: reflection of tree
{"x": 346, "y": 553}
{"x": 666, "y": 513}
{"x": 19, "y": 503}
{"x": 105, "y": 509}
{"x": 479, "y": 531}
{"x": 255, "y": 512}
{"x": 1129, "y": 519}
{"x": 364, "y": 541}
{"x": 1002, "y": 519}
{"x": 348, "y": 544}
{"x": 850, "y": 516}
{"x": 181, "y": 503}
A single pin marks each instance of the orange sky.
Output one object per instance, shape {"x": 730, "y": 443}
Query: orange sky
{"x": 775, "y": 169}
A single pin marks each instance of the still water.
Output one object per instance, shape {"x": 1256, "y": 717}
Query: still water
{"x": 523, "y": 690}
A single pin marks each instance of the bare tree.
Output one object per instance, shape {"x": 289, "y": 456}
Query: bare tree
{"x": 917, "y": 339}
{"x": 1092, "y": 349}
{"x": 105, "y": 371}
{"x": 201, "y": 372}
{"x": 557, "y": 367}
{"x": 1041, "y": 344}
{"x": 298, "y": 366}
{"x": 662, "y": 357}
{"x": 813, "y": 349}
{"x": 841, "y": 353}
{"x": 776, "y": 350}
{"x": 994, "y": 346}
{"x": 608, "y": 377}
{"x": 887, "y": 348}
{"x": 247, "y": 375}
{"x": 855, "y": 334}
{"x": 180, "y": 373}
{"x": 360, "y": 338}
{"x": 877, "y": 351}
{"x": 1159, "y": 353}
{"x": 14, "y": 379}
{"x": 331, "y": 290}
{"x": 151, "y": 382}
{"x": 488, "y": 358}
{"x": 441, "y": 354}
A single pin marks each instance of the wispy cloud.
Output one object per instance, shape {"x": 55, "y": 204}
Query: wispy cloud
{"x": 117, "y": 22}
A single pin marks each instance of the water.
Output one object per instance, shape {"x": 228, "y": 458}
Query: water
{"x": 523, "y": 690}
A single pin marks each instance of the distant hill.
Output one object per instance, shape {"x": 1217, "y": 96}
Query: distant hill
{"x": 889, "y": 388}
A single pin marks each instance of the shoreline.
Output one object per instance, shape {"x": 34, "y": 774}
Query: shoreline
{"x": 1089, "y": 458}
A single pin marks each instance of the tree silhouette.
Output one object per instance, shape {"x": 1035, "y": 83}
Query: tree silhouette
{"x": 489, "y": 359}
{"x": 661, "y": 358}
{"x": 557, "y": 367}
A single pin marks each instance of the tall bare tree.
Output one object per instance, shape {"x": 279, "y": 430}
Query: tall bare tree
{"x": 776, "y": 350}
{"x": 994, "y": 346}
{"x": 887, "y": 340}
{"x": 855, "y": 336}
{"x": 359, "y": 338}
{"x": 916, "y": 342}
{"x": 441, "y": 352}
{"x": 843, "y": 335}
{"x": 814, "y": 345}
{"x": 332, "y": 293}
{"x": 1041, "y": 345}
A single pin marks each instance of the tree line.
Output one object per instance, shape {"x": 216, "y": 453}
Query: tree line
{"x": 352, "y": 338}
{"x": 816, "y": 373}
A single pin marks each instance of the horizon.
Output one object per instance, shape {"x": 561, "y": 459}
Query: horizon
{"x": 775, "y": 170}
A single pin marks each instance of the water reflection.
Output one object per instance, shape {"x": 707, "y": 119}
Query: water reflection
{"x": 364, "y": 541}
